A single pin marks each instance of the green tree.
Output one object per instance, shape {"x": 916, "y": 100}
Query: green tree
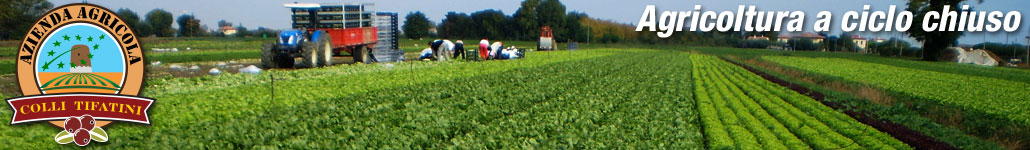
{"x": 222, "y": 23}
{"x": 772, "y": 35}
{"x": 241, "y": 31}
{"x": 265, "y": 32}
{"x": 17, "y": 16}
{"x": 892, "y": 47}
{"x": 934, "y": 42}
{"x": 144, "y": 30}
{"x": 490, "y": 23}
{"x": 160, "y": 22}
{"x": 457, "y": 26}
{"x": 526, "y": 20}
{"x": 131, "y": 18}
{"x": 804, "y": 44}
{"x": 577, "y": 32}
{"x": 189, "y": 26}
{"x": 416, "y": 25}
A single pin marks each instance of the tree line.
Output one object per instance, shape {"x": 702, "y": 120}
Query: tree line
{"x": 158, "y": 22}
{"x": 524, "y": 24}
{"x": 18, "y": 15}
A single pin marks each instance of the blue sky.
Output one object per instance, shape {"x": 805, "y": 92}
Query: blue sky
{"x": 270, "y": 13}
{"x": 106, "y": 56}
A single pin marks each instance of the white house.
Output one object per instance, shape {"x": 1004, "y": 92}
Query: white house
{"x": 228, "y": 30}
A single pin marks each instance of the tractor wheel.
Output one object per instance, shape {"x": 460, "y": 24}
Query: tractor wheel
{"x": 268, "y": 56}
{"x": 310, "y": 54}
{"x": 325, "y": 51}
{"x": 363, "y": 55}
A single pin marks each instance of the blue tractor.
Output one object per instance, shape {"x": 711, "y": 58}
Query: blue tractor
{"x": 320, "y": 32}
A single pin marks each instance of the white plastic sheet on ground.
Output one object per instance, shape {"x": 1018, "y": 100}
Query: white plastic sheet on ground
{"x": 214, "y": 71}
{"x": 250, "y": 70}
{"x": 977, "y": 57}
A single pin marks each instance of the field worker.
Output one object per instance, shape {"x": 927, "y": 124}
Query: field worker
{"x": 484, "y": 49}
{"x": 435, "y": 45}
{"x": 495, "y": 49}
{"x": 511, "y": 53}
{"x": 426, "y": 54}
{"x": 459, "y": 49}
{"x": 445, "y": 50}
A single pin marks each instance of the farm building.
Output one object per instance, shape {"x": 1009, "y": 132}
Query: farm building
{"x": 859, "y": 41}
{"x": 816, "y": 38}
{"x": 228, "y": 30}
{"x": 757, "y": 37}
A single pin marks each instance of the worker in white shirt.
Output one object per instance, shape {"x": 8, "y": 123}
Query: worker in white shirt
{"x": 512, "y": 53}
{"x": 446, "y": 48}
{"x": 495, "y": 49}
{"x": 426, "y": 54}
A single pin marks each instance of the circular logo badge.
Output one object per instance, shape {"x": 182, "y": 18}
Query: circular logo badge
{"x": 80, "y": 48}
{"x": 80, "y": 68}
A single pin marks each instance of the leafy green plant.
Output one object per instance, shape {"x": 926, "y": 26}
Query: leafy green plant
{"x": 1002, "y": 98}
{"x": 797, "y": 121}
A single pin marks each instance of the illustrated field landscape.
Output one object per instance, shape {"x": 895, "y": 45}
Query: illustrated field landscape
{"x": 602, "y": 96}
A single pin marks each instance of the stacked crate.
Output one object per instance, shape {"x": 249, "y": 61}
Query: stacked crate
{"x": 352, "y": 15}
{"x": 387, "y": 49}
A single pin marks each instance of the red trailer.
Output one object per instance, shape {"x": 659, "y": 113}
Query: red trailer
{"x": 351, "y": 39}
{"x": 322, "y": 31}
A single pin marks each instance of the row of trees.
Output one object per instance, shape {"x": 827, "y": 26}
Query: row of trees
{"x": 158, "y": 22}
{"x": 895, "y": 47}
{"x": 1003, "y": 50}
{"x": 16, "y": 16}
{"x": 524, "y": 24}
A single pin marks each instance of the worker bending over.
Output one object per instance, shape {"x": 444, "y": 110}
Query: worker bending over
{"x": 495, "y": 49}
{"x": 459, "y": 50}
{"x": 512, "y": 53}
{"x": 441, "y": 49}
{"x": 484, "y": 49}
{"x": 426, "y": 54}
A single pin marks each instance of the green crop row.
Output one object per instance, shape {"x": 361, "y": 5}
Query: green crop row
{"x": 7, "y": 66}
{"x": 188, "y": 108}
{"x": 550, "y": 100}
{"x": 8, "y": 51}
{"x": 1003, "y": 98}
{"x": 1005, "y": 73}
{"x": 199, "y": 56}
{"x": 205, "y": 43}
{"x": 753, "y": 113}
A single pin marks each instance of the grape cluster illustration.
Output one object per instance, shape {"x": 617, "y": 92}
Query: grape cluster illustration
{"x": 81, "y": 130}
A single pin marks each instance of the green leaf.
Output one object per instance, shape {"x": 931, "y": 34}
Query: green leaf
{"x": 64, "y": 137}
{"x": 98, "y": 134}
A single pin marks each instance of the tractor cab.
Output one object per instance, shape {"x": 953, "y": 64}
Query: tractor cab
{"x": 291, "y": 39}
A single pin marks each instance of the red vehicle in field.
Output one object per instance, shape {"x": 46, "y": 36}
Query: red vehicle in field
{"x": 320, "y": 32}
{"x": 547, "y": 41}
